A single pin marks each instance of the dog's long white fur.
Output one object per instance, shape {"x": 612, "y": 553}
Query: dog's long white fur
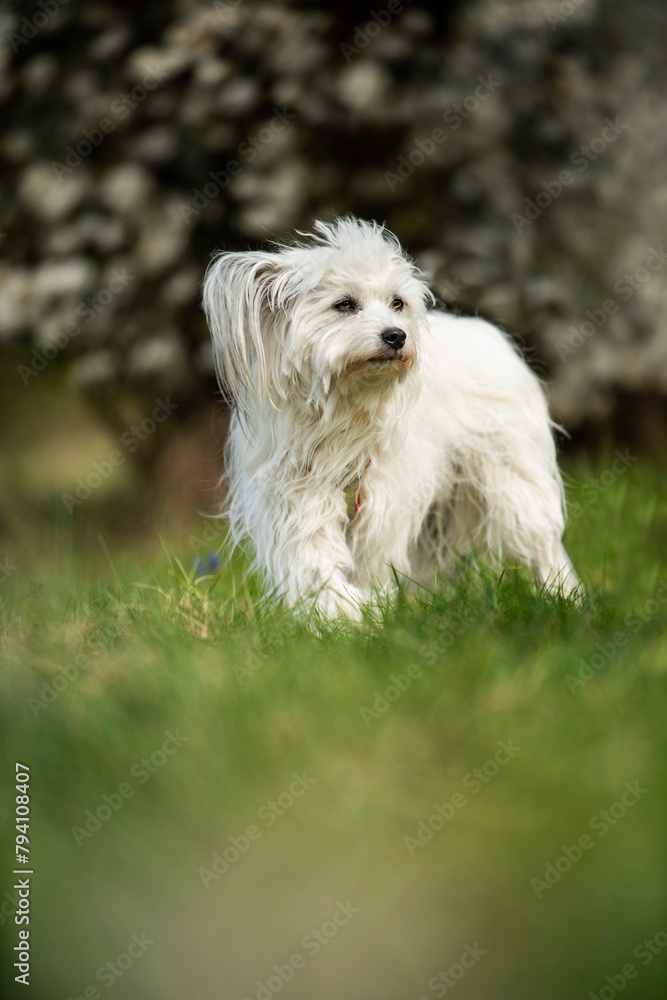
{"x": 455, "y": 425}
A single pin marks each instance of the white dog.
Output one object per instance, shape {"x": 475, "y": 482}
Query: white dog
{"x": 370, "y": 437}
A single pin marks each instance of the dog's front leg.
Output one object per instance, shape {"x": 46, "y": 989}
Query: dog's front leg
{"x": 308, "y": 561}
{"x": 316, "y": 577}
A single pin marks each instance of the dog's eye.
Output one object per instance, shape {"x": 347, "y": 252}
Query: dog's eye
{"x": 397, "y": 305}
{"x": 345, "y": 305}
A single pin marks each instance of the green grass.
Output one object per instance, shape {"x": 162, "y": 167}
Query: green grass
{"x": 259, "y": 698}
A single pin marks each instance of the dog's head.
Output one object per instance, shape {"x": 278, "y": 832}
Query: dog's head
{"x": 341, "y": 312}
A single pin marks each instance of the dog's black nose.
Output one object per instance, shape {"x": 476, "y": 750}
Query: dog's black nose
{"x": 394, "y": 337}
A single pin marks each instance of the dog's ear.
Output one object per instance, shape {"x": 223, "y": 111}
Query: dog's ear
{"x": 243, "y": 294}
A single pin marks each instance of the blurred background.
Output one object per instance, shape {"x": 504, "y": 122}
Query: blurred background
{"x": 516, "y": 148}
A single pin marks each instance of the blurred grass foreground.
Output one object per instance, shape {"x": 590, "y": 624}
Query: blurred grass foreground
{"x": 466, "y": 796}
